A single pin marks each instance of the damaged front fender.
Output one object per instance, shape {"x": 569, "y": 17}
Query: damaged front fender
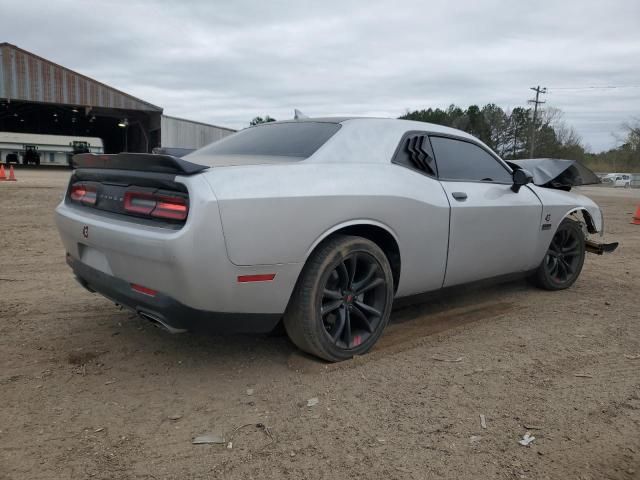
{"x": 594, "y": 223}
{"x": 592, "y": 216}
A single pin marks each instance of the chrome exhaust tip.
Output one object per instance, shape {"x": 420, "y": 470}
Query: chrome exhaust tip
{"x": 160, "y": 322}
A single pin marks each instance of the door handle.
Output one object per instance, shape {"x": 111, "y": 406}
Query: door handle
{"x": 460, "y": 196}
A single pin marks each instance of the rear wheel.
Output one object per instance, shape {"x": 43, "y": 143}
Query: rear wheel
{"x": 563, "y": 262}
{"x": 342, "y": 301}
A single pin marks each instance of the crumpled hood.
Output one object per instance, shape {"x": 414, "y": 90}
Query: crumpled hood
{"x": 556, "y": 173}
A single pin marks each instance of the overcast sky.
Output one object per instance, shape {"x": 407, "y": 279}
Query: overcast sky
{"x": 224, "y": 62}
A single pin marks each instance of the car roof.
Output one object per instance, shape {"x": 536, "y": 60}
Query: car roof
{"x": 313, "y": 119}
{"x": 374, "y": 140}
{"x": 409, "y": 124}
{"x": 362, "y": 139}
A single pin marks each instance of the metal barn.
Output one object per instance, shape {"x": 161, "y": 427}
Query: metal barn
{"x": 38, "y": 96}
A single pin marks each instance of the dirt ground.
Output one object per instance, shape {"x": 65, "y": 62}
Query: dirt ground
{"x": 87, "y": 391}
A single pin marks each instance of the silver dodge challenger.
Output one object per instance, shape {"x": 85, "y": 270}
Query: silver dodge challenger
{"x": 321, "y": 224}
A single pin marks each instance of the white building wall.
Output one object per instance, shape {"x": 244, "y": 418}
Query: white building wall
{"x": 181, "y": 133}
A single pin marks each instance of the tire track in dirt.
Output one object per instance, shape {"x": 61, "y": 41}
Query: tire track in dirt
{"x": 402, "y": 334}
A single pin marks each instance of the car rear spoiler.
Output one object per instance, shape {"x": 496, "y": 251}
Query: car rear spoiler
{"x": 145, "y": 162}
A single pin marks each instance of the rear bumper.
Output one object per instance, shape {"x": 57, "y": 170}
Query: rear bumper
{"x": 172, "y": 314}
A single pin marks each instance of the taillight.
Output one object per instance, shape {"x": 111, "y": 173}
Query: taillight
{"x": 174, "y": 208}
{"x": 158, "y": 206}
{"x": 84, "y": 193}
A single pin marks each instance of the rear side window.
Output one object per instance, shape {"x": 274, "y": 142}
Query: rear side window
{"x": 459, "y": 160}
{"x": 296, "y": 140}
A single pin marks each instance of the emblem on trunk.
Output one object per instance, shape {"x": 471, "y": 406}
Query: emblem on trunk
{"x": 85, "y": 231}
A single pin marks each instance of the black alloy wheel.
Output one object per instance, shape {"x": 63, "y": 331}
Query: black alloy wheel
{"x": 353, "y": 300}
{"x": 342, "y": 301}
{"x": 564, "y": 259}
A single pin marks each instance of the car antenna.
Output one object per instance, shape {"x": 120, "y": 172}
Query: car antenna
{"x": 297, "y": 114}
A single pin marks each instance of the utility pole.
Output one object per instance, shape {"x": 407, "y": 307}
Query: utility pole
{"x": 535, "y": 102}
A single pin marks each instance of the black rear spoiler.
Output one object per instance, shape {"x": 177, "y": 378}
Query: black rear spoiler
{"x": 144, "y": 162}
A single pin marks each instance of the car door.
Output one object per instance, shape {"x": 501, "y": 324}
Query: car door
{"x": 425, "y": 219}
{"x": 492, "y": 229}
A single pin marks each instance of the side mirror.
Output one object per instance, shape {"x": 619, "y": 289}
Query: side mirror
{"x": 521, "y": 177}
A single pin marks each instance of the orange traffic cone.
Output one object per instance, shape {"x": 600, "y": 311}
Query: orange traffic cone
{"x": 3, "y": 176}
{"x": 636, "y": 217}
{"x": 12, "y": 176}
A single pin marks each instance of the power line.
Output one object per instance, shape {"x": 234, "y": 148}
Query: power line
{"x": 536, "y": 102}
{"x": 595, "y": 87}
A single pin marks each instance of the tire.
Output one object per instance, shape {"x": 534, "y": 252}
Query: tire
{"x": 564, "y": 259}
{"x": 350, "y": 278}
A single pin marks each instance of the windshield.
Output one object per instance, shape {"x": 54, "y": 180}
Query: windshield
{"x": 294, "y": 140}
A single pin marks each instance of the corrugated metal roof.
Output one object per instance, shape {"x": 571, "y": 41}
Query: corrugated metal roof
{"x": 28, "y": 77}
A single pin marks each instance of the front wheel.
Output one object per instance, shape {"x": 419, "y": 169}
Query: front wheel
{"x": 342, "y": 301}
{"x": 563, "y": 262}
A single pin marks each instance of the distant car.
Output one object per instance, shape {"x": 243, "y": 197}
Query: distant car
{"x": 12, "y": 158}
{"x": 319, "y": 222}
{"x": 617, "y": 180}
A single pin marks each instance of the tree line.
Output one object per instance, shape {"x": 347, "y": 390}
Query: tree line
{"x": 509, "y": 134}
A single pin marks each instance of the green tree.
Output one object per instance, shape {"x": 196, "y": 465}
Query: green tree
{"x": 517, "y": 142}
{"x": 633, "y": 135}
{"x": 625, "y": 158}
{"x": 509, "y": 133}
{"x": 495, "y": 128}
{"x": 259, "y": 120}
{"x": 429, "y": 115}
